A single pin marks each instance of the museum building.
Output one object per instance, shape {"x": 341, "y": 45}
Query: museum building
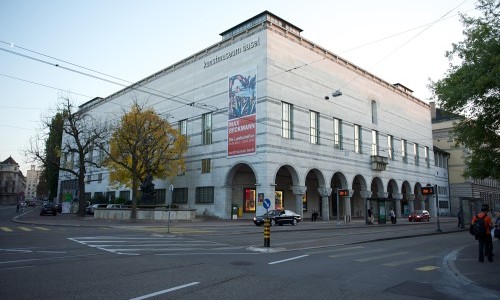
{"x": 272, "y": 115}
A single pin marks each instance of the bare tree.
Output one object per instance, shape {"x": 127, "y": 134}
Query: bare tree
{"x": 81, "y": 133}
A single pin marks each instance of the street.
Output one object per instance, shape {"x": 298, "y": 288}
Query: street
{"x": 201, "y": 261}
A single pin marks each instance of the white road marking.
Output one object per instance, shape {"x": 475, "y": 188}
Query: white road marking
{"x": 165, "y": 291}
{"x": 288, "y": 259}
{"x": 407, "y": 261}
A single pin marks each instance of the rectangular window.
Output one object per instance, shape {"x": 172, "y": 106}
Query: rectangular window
{"x": 125, "y": 195}
{"x": 183, "y": 127}
{"x": 180, "y": 195}
{"x": 337, "y": 133}
{"x": 404, "y": 151}
{"x": 204, "y": 194}
{"x": 160, "y": 195}
{"x": 415, "y": 154}
{"x": 374, "y": 143}
{"x": 374, "y": 112}
{"x": 90, "y": 154}
{"x": 357, "y": 138}
{"x": 99, "y": 177}
{"x": 426, "y": 153}
{"x": 314, "y": 127}
{"x": 286, "y": 120}
{"x": 206, "y": 165}
{"x": 206, "y": 128}
{"x": 390, "y": 146}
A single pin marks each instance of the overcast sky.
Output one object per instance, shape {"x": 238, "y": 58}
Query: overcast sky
{"x": 400, "y": 41}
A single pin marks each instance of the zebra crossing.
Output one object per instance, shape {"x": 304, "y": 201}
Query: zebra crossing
{"x": 22, "y": 228}
{"x": 154, "y": 244}
{"x": 363, "y": 254}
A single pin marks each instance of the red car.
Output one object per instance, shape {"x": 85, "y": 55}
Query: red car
{"x": 419, "y": 216}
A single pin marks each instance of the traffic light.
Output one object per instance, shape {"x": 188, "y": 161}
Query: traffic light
{"x": 343, "y": 193}
{"x": 428, "y": 190}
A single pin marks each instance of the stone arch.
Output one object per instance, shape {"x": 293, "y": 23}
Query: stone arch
{"x": 357, "y": 205}
{"x": 241, "y": 181}
{"x": 286, "y": 177}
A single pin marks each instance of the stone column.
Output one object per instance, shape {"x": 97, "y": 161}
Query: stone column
{"x": 325, "y": 205}
{"x": 411, "y": 199}
{"x": 397, "y": 197}
{"x": 299, "y": 191}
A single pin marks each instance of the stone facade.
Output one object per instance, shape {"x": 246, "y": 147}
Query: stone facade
{"x": 278, "y": 138}
{"x": 32, "y": 178}
{"x": 12, "y": 182}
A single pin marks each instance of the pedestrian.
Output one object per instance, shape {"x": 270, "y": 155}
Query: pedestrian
{"x": 485, "y": 242}
{"x": 17, "y": 207}
{"x": 460, "y": 217}
{"x": 315, "y": 215}
{"x": 497, "y": 227}
{"x": 393, "y": 216}
{"x": 370, "y": 216}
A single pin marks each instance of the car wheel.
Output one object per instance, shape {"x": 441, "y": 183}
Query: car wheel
{"x": 273, "y": 223}
{"x": 294, "y": 222}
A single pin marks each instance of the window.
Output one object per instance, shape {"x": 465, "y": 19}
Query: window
{"x": 204, "y": 194}
{"x": 125, "y": 195}
{"x": 426, "y": 154}
{"x": 206, "y": 129}
{"x": 314, "y": 127}
{"x": 286, "y": 120}
{"x": 160, "y": 195}
{"x": 99, "y": 177}
{"x": 337, "y": 133}
{"x": 205, "y": 165}
{"x": 374, "y": 112}
{"x": 415, "y": 154}
{"x": 390, "y": 146}
{"x": 374, "y": 143}
{"x": 180, "y": 195}
{"x": 357, "y": 138}
{"x": 90, "y": 155}
{"x": 183, "y": 127}
{"x": 404, "y": 148}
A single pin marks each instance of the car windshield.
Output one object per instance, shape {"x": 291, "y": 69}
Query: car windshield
{"x": 418, "y": 212}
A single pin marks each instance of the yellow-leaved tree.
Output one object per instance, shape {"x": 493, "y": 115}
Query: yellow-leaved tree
{"x": 141, "y": 143}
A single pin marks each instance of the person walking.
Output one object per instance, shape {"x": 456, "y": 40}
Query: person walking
{"x": 370, "y": 216}
{"x": 393, "y": 216}
{"x": 485, "y": 242}
{"x": 460, "y": 217}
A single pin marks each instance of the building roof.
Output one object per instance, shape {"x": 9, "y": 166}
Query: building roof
{"x": 9, "y": 161}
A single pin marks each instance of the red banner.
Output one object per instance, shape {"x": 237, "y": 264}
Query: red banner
{"x": 241, "y": 135}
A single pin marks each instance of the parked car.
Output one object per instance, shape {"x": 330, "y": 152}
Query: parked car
{"x": 91, "y": 208}
{"x": 48, "y": 209}
{"x": 116, "y": 206}
{"x": 278, "y": 217}
{"x": 419, "y": 216}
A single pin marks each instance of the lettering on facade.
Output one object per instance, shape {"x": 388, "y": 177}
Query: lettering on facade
{"x": 219, "y": 58}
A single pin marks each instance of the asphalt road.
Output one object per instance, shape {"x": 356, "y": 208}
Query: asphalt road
{"x": 40, "y": 259}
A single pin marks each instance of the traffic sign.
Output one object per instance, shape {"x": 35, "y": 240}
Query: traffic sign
{"x": 267, "y": 203}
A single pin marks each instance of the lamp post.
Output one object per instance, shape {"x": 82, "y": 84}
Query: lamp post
{"x": 171, "y": 189}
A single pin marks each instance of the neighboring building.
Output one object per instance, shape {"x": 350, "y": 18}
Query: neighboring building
{"x": 464, "y": 192}
{"x": 32, "y": 178}
{"x": 263, "y": 123}
{"x": 12, "y": 182}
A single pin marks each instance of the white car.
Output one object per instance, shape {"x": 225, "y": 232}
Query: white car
{"x": 116, "y": 206}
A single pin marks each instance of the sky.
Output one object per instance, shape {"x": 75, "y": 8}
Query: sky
{"x": 400, "y": 41}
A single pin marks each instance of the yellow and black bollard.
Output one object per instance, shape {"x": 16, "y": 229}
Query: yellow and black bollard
{"x": 267, "y": 233}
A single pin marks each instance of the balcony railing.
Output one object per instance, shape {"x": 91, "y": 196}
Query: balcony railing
{"x": 379, "y": 162}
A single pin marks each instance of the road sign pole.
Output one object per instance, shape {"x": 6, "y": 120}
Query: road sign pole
{"x": 267, "y": 225}
{"x": 437, "y": 208}
{"x": 338, "y": 208}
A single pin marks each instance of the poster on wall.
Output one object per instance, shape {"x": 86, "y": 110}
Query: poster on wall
{"x": 278, "y": 199}
{"x": 249, "y": 200}
{"x": 242, "y": 108}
